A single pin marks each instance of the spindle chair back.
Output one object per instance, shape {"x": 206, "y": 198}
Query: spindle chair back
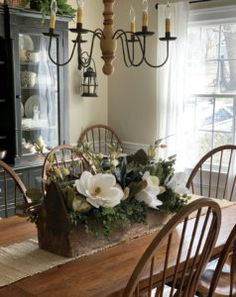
{"x": 197, "y": 236}
{"x": 62, "y": 157}
{"x": 12, "y": 191}
{"x": 220, "y": 280}
{"x": 100, "y": 137}
{"x": 215, "y": 174}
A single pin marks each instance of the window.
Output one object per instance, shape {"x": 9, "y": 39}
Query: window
{"x": 212, "y": 84}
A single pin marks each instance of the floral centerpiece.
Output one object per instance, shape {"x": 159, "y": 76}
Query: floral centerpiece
{"x": 119, "y": 191}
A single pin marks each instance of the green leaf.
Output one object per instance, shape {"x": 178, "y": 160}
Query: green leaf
{"x": 34, "y": 194}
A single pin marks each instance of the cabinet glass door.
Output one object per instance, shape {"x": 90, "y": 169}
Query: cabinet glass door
{"x": 39, "y": 93}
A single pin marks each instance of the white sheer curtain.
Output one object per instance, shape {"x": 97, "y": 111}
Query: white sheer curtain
{"x": 171, "y": 83}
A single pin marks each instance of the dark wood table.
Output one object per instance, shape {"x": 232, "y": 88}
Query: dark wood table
{"x": 102, "y": 274}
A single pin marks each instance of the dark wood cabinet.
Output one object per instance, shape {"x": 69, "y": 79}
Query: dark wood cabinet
{"x": 33, "y": 90}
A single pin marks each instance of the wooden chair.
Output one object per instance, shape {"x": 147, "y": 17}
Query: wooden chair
{"x": 219, "y": 277}
{"x": 100, "y": 136}
{"x": 61, "y": 157}
{"x": 12, "y": 191}
{"x": 177, "y": 235}
{"x": 211, "y": 180}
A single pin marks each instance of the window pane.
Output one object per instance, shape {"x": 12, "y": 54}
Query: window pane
{"x": 223, "y": 120}
{"x": 228, "y": 58}
{"x": 203, "y": 142}
{"x": 204, "y": 113}
{"x": 203, "y": 59}
{"x": 222, "y": 138}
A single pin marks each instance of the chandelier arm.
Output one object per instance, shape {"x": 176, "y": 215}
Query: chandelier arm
{"x": 166, "y": 59}
{"x": 124, "y": 54}
{"x": 99, "y": 33}
{"x": 120, "y": 34}
{"x": 142, "y": 48}
{"x": 53, "y": 61}
{"x": 80, "y": 60}
{"x": 133, "y": 52}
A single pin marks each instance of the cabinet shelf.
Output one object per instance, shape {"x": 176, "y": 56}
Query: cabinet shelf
{"x": 2, "y": 62}
{"x": 29, "y": 88}
{"x": 36, "y": 88}
{"x": 38, "y": 129}
{"x": 29, "y": 64}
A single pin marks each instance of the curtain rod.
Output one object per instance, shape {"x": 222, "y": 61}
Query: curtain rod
{"x": 190, "y": 2}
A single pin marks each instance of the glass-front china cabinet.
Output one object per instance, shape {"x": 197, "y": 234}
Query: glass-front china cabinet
{"x": 39, "y": 102}
{"x": 34, "y": 91}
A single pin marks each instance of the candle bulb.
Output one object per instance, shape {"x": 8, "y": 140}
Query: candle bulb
{"x": 168, "y": 17}
{"x": 80, "y": 4}
{"x": 132, "y": 20}
{"x": 53, "y": 8}
{"x": 145, "y": 13}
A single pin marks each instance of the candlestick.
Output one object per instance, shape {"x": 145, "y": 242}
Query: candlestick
{"x": 53, "y": 8}
{"x": 145, "y": 13}
{"x": 80, "y": 11}
{"x": 132, "y": 20}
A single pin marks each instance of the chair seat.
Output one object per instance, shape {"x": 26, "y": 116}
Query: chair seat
{"x": 167, "y": 291}
{"x": 222, "y": 288}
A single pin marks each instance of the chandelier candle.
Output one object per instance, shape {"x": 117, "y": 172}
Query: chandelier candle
{"x": 168, "y": 17}
{"x": 53, "y": 15}
{"x": 132, "y": 20}
{"x": 80, "y": 4}
{"x": 145, "y": 13}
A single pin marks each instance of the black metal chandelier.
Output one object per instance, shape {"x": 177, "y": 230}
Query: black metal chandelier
{"x": 132, "y": 41}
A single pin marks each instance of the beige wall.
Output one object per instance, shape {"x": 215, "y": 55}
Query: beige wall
{"x": 132, "y": 91}
{"x": 87, "y": 111}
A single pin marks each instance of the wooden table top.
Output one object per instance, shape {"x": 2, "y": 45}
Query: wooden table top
{"x": 100, "y": 275}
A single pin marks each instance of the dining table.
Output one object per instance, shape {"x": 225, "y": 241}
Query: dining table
{"x": 102, "y": 274}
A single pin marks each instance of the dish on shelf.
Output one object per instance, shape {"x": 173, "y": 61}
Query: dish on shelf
{"x": 30, "y": 124}
{"x": 27, "y": 147}
{"x": 26, "y": 42}
{"x": 28, "y": 79}
{"x": 31, "y": 104}
{"x": 22, "y": 109}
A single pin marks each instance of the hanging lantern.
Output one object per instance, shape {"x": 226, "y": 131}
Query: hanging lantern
{"x": 89, "y": 84}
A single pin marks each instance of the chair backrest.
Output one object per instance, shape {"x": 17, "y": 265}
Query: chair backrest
{"x": 228, "y": 253}
{"x": 62, "y": 156}
{"x": 184, "y": 244}
{"x": 12, "y": 191}
{"x": 100, "y": 137}
{"x": 214, "y": 175}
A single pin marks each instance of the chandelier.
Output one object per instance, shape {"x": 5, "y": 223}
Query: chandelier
{"x": 134, "y": 43}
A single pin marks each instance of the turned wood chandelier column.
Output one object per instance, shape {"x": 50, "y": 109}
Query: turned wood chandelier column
{"x": 108, "y": 43}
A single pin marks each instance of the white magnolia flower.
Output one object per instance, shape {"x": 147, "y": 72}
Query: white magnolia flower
{"x": 149, "y": 194}
{"x": 99, "y": 189}
{"x": 177, "y": 183}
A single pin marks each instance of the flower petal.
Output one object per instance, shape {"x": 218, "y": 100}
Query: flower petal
{"x": 146, "y": 175}
{"x": 112, "y": 197}
{"x": 147, "y": 198}
{"x": 93, "y": 201}
{"x": 80, "y": 184}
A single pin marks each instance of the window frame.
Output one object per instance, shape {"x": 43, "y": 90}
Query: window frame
{"x": 214, "y": 16}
